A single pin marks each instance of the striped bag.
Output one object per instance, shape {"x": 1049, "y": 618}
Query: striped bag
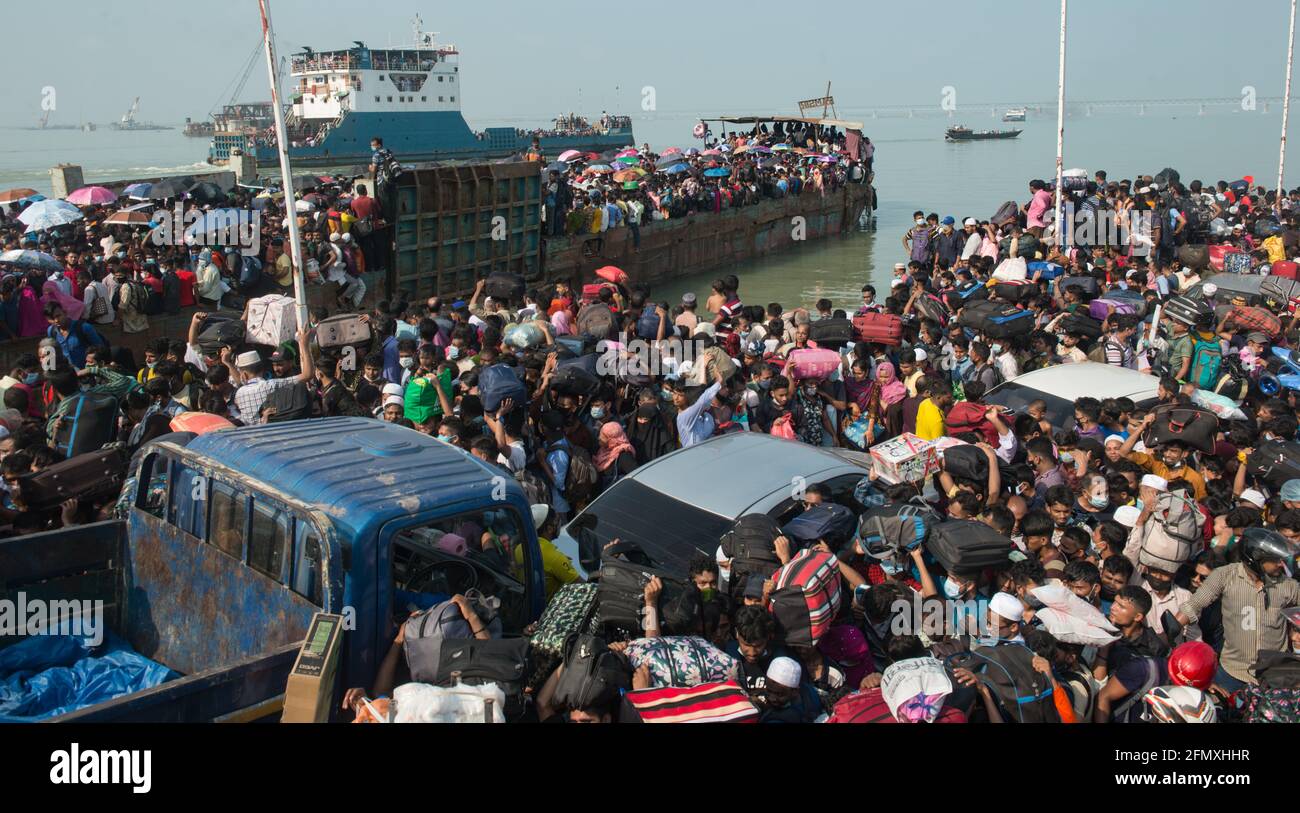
{"x": 1246, "y": 319}
{"x": 706, "y": 703}
{"x": 806, "y": 598}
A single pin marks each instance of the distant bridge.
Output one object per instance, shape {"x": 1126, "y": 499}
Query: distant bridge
{"x": 1202, "y": 105}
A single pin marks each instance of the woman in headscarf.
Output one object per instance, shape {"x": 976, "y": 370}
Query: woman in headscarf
{"x": 562, "y": 322}
{"x": 51, "y": 292}
{"x": 653, "y": 434}
{"x": 31, "y": 308}
{"x": 616, "y": 456}
{"x": 892, "y": 392}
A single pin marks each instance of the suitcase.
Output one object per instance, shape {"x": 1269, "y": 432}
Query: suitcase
{"x": 341, "y": 330}
{"x": 878, "y": 328}
{"x": 288, "y": 404}
{"x": 1102, "y": 309}
{"x": 1280, "y": 294}
{"x": 218, "y": 331}
{"x": 1247, "y": 319}
{"x": 749, "y": 547}
{"x": 1016, "y": 291}
{"x": 967, "y": 547}
{"x": 958, "y": 298}
{"x": 596, "y": 320}
{"x": 812, "y": 362}
{"x": 271, "y": 319}
{"x": 1187, "y": 310}
{"x": 1088, "y": 284}
{"x": 1006, "y": 213}
{"x": 831, "y": 332}
{"x": 997, "y": 320}
{"x": 88, "y": 425}
{"x": 621, "y": 593}
{"x": 1238, "y": 263}
{"x": 1194, "y": 426}
{"x": 1283, "y": 268}
{"x": 497, "y": 383}
{"x": 829, "y": 522}
{"x": 1081, "y": 324}
{"x": 1218, "y": 252}
{"x": 573, "y": 378}
{"x": 1044, "y": 270}
{"x": 89, "y": 476}
{"x": 1274, "y": 462}
{"x": 591, "y": 292}
{"x": 807, "y": 597}
{"x": 1195, "y": 257}
{"x": 706, "y": 703}
{"x": 505, "y": 287}
{"x": 576, "y": 345}
{"x": 503, "y": 661}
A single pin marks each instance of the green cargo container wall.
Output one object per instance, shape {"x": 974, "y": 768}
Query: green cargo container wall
{"x": 447, "y": 233}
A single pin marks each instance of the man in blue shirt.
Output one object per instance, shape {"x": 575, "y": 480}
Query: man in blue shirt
{"x": 694, "y": 421}
{"x": 73, "y": 336}
{"x": 555, "y": 460}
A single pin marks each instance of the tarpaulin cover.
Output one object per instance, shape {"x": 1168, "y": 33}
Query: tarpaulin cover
{"x": 48, "y": 675}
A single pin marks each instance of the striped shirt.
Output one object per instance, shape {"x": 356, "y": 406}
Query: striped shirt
{"x": 250, "y": 397}
{"x": 1252, "y": 615}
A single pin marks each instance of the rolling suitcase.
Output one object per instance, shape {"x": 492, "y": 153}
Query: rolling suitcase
{"x": 1187, "y": 310}
{"x": 997, "y": 320}
{"x": 967, "y": 547}
{"x": 341, "y": 330}
{"x": 878, "y": 328}
{"x": 88, "y": 425}
{"x": 1280, "y": 294}
{"x": 87, "y": 476}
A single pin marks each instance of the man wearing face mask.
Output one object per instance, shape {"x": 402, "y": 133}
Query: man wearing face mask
{"x": 1008, "y": 666}
{"x": 1041, "y": 456}
{"x": 250, "y": 370}
{"x": 1171, "y": 463}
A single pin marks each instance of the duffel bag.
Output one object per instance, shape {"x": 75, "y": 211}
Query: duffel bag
{"x": 90, "y": 423}
{"x": 829, "y": 522}
{"x": 1102, "y": 309}
{"x": 1087, "y": 283}
{"x": 570, "y": 611}
{"x": 596, "y": 320}
{"x": 1008, "y": 671}
{"x": 505, "y": 287}
{"x": 88, "y": 476}
{"x": 1267, "y": 227}
{"x": 1080, "y": 324}
{"x": 1260, "y": 705}
{"x": 475, "y": 662}
{"x": 1218, "y": 252}
{"x": 1277, "y": 670}
{"x": 806, "y": 597}
{"x": 1195, "y": 257}
{"x": 887, "y": 537}
{"x": 1008, "y": 212}
{"x": 1275, "y": 462}
{"x": 344, "y": 329}
{"x": 525, "y": 336}
{"x": 218, "y": 331}
{"x": 813, "y": 362}
{"x": 723, "y": 702}
{"x": 499, "y": 382}
{"x": 681, "y": 660}
{"x": 621, "y": 594}
{"x": 272, "y": 320}
{"x": 1194, "y": 426}
{"x": 957, "y": 298}
{"x": 870, "y": 707}
{"x": 1280, "y": 294}
{"x": 593, "y": 676}
{"x": 966, "y": 462}
{"x": 1133, "y": 298}
{"x": 997, "y": 320}
{"x": 930, "y": 306}
{"x": 878, "y": 328}
{"x": 749, "y": 546}
{"x": 966, "y": 547}
{"x": 576, "y": 377}
{"x": 1245, "y": 319}
{"x": 1015, "y": 291}
{"x": 831, "y": 332}
{"x": 1043, "y": 270}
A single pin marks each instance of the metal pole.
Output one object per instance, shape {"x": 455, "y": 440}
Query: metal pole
{"x": 286, "y": 177}
{"x": 1060, "y": 132}
{"x": 1286, "y": 107}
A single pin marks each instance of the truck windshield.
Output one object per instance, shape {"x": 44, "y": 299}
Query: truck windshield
{"x": 668, "y": 530}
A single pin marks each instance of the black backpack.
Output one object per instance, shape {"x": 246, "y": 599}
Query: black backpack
{"x": 593, "y": 676}
{"x": 749, "y": 547}
{"x": 171, "y": 293}
{"x": 292, "y": 403}
{"x": 621, "y": 593}
{"x": 1023, "y": 692}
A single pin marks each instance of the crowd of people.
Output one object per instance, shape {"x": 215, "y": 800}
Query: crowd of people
{"x": 592, "y": 193}
{"x": 1137, "y": 558}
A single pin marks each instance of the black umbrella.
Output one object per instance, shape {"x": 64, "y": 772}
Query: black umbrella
{"x": 609, "y": 155}
{"x": 207, "y": 192}
{"x": 668, "y": 161}
{"x": 558, "y": 166}
{"x": 304, "y": 182}
{"x": 168, "y": 188}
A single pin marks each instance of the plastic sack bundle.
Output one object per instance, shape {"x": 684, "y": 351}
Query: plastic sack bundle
{"x": 1071, "y": 619}
{"x": 44, "y": 676}
{"x": 422, "y": 703}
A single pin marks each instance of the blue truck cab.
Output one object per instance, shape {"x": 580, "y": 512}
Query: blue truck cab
{"x": 234, "y": 541}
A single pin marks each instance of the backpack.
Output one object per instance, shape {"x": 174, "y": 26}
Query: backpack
{"x": 749, "y": 547}
{"x": 1007, "y": 669}
{"x": 582, "y": 477}
{"x": 250, "y": 273}
{"x": 171, "y": 293}
{"x": 593, "y": 676}
{"x": 1207, "y": 357}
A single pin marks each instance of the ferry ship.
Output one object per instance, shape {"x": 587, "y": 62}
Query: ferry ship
{"x": 1014, "y": 114}
{"x": 409, "y": 97}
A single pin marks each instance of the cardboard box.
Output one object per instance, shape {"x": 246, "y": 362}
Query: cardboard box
{"x": 905, "y": 458}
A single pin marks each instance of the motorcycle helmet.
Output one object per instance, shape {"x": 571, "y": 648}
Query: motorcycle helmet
{"x": 1259, "y": 545}
{"x": 1178, "y": 704}
{"x": 1193, "y": 664}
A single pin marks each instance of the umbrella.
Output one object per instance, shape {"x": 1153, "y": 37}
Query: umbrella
{"x": 600, "y": 168}
{"x": 569, "y": 155}
{"x": 768, "y": 163}
{"x": 12, "y": 195}
{"x": 609, "y": 155}
{"x": 671, "y": 150}
{"x": 781, "y": 148}
{"x": 761, "y": 148}
{"x": 629, "y": 160}
{"x": 22, "y": 258}
{"x": 315, "y": 198}
{"x": 668, "y": 161}
{"x": 168, "y": 188}
{"x": 717, "y": 172}
{"x": 558, "y": 166}
{"x": 128, "y": 218}
{"x": 207, "y": 192}
{"x": 631, "y": 184}
{"x": 220, "y": 222}
{"x": 305, "y": 182}
{"x": 92, "y": 196}
{"x": 629, "y": 152}
{"x": 47, "y": 214}
{"x": 138, "y": 191}
{"x": 629, "y": 174}
{"x": 711, "y": 152}
{"x": 692, "y": 150}
{"x": 676, "y": 168}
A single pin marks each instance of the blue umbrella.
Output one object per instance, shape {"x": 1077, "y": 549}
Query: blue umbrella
{"x": 139, "y": 191}
{"x": 675, "y": 169}
{"x": 48, "y": 214}
{"x": 717, "y": 172}
{"x": 21, "y": 258}
{"x": 557, "y": 166}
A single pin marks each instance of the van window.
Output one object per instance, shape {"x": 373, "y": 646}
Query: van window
{"x": 229, "y": 515}
{"x": 480, "y": 550}
{"x": 308, "y": 575}
{"x": 187, "y": 506}
{"x": 267, "y": 540}
{"x": 151, "y": 494}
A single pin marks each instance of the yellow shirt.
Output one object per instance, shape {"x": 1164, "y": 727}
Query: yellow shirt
{"x": 556, "y": 566}
{"x": 1157, "y": 467}
{"x": 929, "y": 421}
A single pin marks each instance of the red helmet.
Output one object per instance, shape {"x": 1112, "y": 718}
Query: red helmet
{"x": 1193, "y": 664}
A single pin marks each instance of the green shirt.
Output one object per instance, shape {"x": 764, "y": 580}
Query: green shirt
{"x": 1180, "y": 348}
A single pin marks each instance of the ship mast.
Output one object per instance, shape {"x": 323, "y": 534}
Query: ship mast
{"x": 286, "y": 177}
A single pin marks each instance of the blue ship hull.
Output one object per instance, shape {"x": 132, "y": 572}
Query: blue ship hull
{"x": 416, "y": 137}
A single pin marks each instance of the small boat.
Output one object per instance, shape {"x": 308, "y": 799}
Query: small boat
{"x": 967, "y": 134}
{"x": 1014, "y": 114}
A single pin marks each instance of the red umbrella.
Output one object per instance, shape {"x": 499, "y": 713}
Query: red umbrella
{"x": 125, "y": 218}
{"x": 11, "y": 195}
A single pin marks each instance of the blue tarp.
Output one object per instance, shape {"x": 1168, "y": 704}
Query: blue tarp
{"x": 48, "y": 675}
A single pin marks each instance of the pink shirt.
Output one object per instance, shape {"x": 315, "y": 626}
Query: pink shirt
{"x": 1038, "y": 207}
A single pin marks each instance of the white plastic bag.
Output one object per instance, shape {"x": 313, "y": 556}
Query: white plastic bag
{"x": 1071, "y": 619}
{"x": 422, "y": 703}
{"x": 1012, "y": 269}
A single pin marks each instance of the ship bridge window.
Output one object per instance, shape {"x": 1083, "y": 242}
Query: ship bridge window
{"x": 381, "y": 77}
{"x": 390, "y": 98}
{"x": 424, "y": 98}
{"x": 376, "y": 98}
{"x": 453, "y": 98}
{"x": 451, "y": 79}
{"x": 440, "y": 99}
{"x": 440, "y": 78}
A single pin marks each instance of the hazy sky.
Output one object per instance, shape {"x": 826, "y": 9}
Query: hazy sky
{"x": 531, "y": 59}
